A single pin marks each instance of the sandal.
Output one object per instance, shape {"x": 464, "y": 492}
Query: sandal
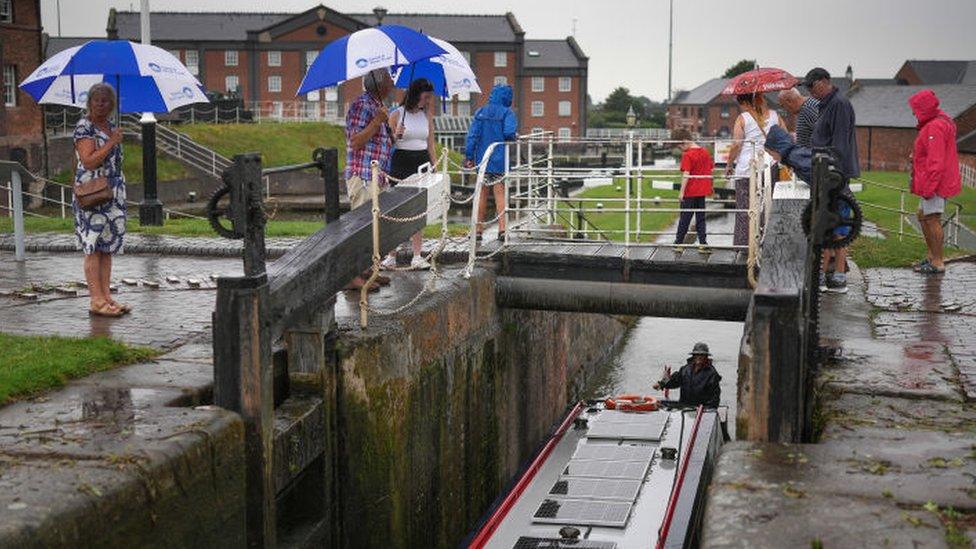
{"x": 124, "y": 307}
{"x": 106, "y": 309}
{"x": 929, "y": 268}
{"x": 919, "y": 264}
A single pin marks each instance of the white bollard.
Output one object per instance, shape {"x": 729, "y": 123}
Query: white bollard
{"x": 18, "y": 207}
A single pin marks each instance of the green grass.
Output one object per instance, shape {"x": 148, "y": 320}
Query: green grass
{"x": 279, "y": 143}
{"x": 31, "y": 364}
{"x": 890, "y": 252}
{"x": 167, "y": 169}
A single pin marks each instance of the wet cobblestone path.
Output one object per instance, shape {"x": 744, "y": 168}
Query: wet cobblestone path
{"x": 895, "y": 463}
{"x": 172, "y": 297}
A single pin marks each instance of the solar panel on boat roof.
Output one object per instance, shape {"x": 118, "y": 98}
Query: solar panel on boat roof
{"x": 587, "y": 512}
{"x": 614, "y": 452}
{"x": 606, "y": 469}
{"x": 526, "y": 542}
{"x": 628, "y": 426}
{"x": 596, "y": 488}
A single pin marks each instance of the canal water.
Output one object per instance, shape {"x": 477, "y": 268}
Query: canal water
{"x": 654, "y": 343}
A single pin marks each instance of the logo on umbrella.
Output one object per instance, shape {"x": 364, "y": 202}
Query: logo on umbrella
{"x": 362, "y": 62}
{"x": 185, "y": 93}
{"x": 155, "y": 67}
{"x": 83, "y": 97}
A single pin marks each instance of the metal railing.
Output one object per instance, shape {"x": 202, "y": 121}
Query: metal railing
{"x": 968, "y": 175}
{"x": 951, "y": 220}
{"x": 536, "y": 211}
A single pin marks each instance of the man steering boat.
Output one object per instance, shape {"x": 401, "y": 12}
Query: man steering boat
{"x": 699, "y": 382}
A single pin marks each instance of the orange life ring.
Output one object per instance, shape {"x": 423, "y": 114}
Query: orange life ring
{"x": 632, "y": 403}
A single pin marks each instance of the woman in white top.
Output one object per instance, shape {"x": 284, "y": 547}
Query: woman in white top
{"x": 748, "y": 136}
{"x": 414, "y": 142}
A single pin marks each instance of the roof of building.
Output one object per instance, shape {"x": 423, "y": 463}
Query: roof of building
{"x": 214, "y": 26}
{"x": 234, "y": 26}
{"x": 877, "y": 82}
{"x": 452, "y": 27}
{"x": 967, "y": 143}
{"x": 55, "y": 44}
{"x": 887, "y": 106}
{"x": 944, "y": 72}
{"x": 701, "y": 95}
{"x": 552, "y": 54}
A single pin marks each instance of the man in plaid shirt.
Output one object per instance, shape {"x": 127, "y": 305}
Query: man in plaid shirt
{"x": 368, "y": 136}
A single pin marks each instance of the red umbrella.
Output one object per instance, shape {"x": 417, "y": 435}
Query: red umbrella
{"x": 760, "y": 81}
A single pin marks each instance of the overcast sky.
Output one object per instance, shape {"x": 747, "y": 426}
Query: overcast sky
{"x": 627, "y": 40}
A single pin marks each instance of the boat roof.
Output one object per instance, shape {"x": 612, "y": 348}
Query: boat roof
{"x": 607, "y": 478}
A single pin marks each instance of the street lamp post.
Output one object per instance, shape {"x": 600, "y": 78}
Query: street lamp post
{"x": 631, "y": 123}
{"x": 380, "y": 13}
{"x": 150, "y": 209}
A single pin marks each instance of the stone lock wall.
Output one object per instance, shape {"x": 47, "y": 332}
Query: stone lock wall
{"x": 438, "y": 410}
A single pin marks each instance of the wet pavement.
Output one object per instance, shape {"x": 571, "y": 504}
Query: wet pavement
{"x": 898, "y": 425}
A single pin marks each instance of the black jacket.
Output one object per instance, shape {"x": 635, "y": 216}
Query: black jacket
{"x": 835, "y": 129}
{"x": 701, "y": 387}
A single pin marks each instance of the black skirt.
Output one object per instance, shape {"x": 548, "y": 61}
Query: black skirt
{"x": 405, "y": 163}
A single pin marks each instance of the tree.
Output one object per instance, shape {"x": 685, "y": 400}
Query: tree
{"x": 742, "y": 66}
{"x": 619, "y": 100}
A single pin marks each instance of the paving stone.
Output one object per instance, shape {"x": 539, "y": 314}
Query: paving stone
{"x": 762, "y": 496}
{"x": 846, "y": 413}
{"x": 904, "y": 289}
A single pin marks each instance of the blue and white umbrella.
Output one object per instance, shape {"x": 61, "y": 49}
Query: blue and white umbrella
{"x": 364, "y": 50}
{"x": 449, "y": 72}
{"x": 146, "y": 78}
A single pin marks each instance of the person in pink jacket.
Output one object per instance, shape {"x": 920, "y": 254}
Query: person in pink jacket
{"x": 935, "y": 173}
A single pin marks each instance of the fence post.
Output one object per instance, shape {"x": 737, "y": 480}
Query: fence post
{"x": 193, "y": 111}
{"x": 63, "y": 202}
{"x": 550, "y": 206}
{"x": 243, "y": 383}
{"x": 374, "y": 193}
{"x": 901, "y": 215}
{"x": 18, "y": 209}
{"x": 328, "y": 160}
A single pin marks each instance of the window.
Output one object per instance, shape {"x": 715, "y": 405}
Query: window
{"x": 725, "y": 111}
{"x": 501, "y": 59}
{"x": 467, "y": 56}
{"x": 310, "y": 56}
{"x": 538, "y": 108}
{"x": 537, "y": 130}
{"x": 10, "y": 85}
{"x": 6, "y": 11}
{"x": 332, "y": 93}
{"x": 175, "y": 53}
{"x": 565, "y": 84}
{"x": 274, "y": 84}
{"x": 565, "y": 133}
{"x": 464, "y": 96}
{"x": 277, "y": 109}
{"x": 312, "y": 96}
{"x": 230, "y": 58}
{"x": 684, "y": 111}
{"x": 463, "y": 108}
{"x": 331, "y": 110}
{"x": 538, "y": 84}
{"x": 231, "y": 83}
{"x": 565, "y": 108}
{"x": 193, "y": 61}
{"x": 274, "y": 58}
{"x": 501, "y": 80}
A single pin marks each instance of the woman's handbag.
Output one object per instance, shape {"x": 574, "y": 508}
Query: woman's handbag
{"x": 93, "y": 193}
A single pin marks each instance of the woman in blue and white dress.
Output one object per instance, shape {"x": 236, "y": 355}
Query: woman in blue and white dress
{"x": 100, "y": 230}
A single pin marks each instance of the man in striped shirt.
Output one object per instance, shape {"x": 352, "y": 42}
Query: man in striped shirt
{"x": 805, "y": 109}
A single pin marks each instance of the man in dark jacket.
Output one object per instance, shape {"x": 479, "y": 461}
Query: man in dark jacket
{"x": 834, "y": 129}
{"x": 698, "y": 380}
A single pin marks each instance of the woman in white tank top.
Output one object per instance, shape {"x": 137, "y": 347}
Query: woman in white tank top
{"x": 413, "y": 133}
{"x": 748, "y": 134}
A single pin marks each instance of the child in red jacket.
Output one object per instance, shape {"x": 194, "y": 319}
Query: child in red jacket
{"x": 696, "y": 184}
{"x": 935, "y": 173}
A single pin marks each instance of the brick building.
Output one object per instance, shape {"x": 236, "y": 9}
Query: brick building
{"x": 967, "y": 149}
{"x": 886, "y": 126}
{"x": 21, "y": 119}
{"x": 263, "y": 57}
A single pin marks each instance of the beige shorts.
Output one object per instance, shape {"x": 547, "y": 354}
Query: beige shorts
{"x": 358, "y": 192}
{"x": 932, "y": 206}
